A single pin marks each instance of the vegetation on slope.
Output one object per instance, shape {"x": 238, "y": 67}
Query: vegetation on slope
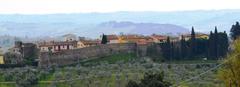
{"x": 110, "y": 75}
{"x": 124, "y": 57}
{"x": 150, "y": 79}
{"x": 230, "y": 72}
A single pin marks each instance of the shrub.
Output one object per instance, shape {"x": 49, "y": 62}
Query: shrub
{"x": 151, "y": 80}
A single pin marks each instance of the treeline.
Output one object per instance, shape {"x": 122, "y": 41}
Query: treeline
{"x": 11, "y": 65}
{"x": 229, "y": 72}
{"x": 213, "y": 48}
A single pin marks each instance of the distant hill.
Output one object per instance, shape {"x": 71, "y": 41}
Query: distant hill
{"x": 111, "y": 27}
{"x": 140, "y": 28}
{"x": 87, "y": 24}
{"x": 7, "y": 41}
{"x": 24, "y": 31}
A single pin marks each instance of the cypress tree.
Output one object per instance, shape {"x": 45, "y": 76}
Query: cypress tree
{"x": 169, "y": 48}
{"x": 166, "y": 49}
{"x": 104, "y": 39}
{"x": 211, "y": 46}
{"x": 177, "y": 51}
{"x": 226, "y": 43}
{"x": 193, "y": 34}
{"x": 235, "y": 31}
{"x": 172, "y": 51}
{"x": 216, "y": 44}
{"x": 193, "y": 43}
{"x": 223, "y": 44}
{"x": 183, "y": 49}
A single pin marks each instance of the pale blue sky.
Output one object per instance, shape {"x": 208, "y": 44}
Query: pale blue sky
{"x": 83, "y": 6}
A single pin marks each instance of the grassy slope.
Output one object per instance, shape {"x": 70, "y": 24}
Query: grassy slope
{"x": 112, "y": 80}
{"x": 193, "y": 62}
{"x": 113, "y": 58}
{"x": 44, "y": 82}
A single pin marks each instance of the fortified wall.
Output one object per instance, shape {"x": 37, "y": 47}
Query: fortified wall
{"x": 73, "y": 56}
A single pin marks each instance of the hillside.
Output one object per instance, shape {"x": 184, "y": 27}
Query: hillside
{"x": 139, "y": 28}
{"x": 86, "y": 24}
{"x": 94, "y": 31}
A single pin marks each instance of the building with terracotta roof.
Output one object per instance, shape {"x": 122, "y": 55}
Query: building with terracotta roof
{"x": 20, "y": 52}
{"x": 197, "y": 35}
{"x": 139, "y": 39}
{"x": 159, "y": 38}
{"x": 57, "y": 46}
{"x": 112, "y": 39}
{"x": 134, "y": 38}
{"x": 88, "y": 43}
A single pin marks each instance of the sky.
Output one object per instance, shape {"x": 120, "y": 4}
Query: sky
{"x": 103, "y": 6}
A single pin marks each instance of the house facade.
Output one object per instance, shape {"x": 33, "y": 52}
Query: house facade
{"x": 159, "y": 38}
{"x": 112, "y": 39}
{"x": 1, "y": 59}
{"x": 89, "y": 43}
{"x": 134, "y": 38}
{"x": 197, "y": 35}
{"x": 57, "y": 46}
{"x": 20, "y": 52}
{"x": 80, "y": 44}
{"x": 69, "y": 37}
{"x": 138, "y": 39}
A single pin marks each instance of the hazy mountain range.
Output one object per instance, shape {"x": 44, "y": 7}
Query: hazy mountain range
{"x": 140, "y": 28}
{"x": 94, "y": 24}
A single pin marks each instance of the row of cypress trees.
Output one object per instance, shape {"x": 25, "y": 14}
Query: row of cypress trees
{"x": 104, "y": 39}
{"x": 213, "y": 48}
{"x": 218, "y": 44}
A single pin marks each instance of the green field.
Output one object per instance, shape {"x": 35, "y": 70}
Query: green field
{"x": 116, "y": 71}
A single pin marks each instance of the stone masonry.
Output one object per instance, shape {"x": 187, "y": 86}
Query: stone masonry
{"x": 72, "y": 56}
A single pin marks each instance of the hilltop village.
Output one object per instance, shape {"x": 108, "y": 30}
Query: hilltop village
{"x": 131, "y": 56}
{"x": 72, "y": 42}
{"x": 29, "y": 53}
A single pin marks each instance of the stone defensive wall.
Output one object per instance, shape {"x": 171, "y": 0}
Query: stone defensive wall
{"x": 73, "y": 56}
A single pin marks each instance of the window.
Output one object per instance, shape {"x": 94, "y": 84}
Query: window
{"x": 67, "y": 46}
